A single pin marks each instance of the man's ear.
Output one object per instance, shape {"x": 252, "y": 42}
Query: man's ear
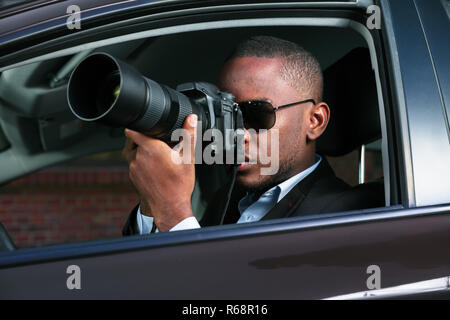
{"x": 319, "y": 115}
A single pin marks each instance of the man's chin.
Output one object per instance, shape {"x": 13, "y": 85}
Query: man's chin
{"x": 249, "y": 178}
{"x": 251, "y": 181}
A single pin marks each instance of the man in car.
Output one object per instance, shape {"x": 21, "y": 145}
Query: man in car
{"x": 264, "y": 73}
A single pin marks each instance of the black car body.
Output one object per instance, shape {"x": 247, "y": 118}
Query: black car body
{"x": 296, "y": 258}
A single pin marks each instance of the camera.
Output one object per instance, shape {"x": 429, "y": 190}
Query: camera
{"x": 104, "y": 89}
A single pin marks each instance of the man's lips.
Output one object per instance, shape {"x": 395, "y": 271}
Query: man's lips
{"x": 244, "y": 165}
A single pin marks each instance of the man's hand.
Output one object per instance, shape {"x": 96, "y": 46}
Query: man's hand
{"x": 165, "y": 186}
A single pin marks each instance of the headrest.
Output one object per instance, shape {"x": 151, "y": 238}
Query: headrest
{"x": 350, "y": 91}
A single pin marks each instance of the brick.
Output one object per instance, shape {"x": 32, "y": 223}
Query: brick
{"x": 66, "y": 206}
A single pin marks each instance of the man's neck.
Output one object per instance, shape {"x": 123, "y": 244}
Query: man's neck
{"x": 286, "y": 176}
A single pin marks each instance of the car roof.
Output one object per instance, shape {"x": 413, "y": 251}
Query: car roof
{"x": 10, "y": 7}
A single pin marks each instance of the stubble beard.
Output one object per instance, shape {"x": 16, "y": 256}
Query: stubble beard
{"x": 266, "y": 182}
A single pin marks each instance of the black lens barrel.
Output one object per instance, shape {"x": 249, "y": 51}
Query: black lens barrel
{"x": 105, "y": 89}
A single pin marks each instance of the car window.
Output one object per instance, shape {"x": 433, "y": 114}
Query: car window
{"x": 347, "y": 167}
{"x": 61, "y": 200}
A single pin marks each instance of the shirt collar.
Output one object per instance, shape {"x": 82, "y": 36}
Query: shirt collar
{"x": 278, "y": 192}
{"x": 290, "y": 183}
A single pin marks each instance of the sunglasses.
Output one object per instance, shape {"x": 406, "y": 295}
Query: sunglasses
{"x": 261, "y": 114}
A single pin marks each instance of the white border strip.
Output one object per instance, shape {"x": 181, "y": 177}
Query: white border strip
{"x": 439, "y": 284}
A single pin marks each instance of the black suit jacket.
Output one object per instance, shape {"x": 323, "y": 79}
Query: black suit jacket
{"x": 320, "y": 192}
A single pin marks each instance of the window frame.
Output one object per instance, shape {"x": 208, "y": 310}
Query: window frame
{"x": 257, "y": 228}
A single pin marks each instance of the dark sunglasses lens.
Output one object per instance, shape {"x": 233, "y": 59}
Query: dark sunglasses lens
{"x": 258, "y": 114}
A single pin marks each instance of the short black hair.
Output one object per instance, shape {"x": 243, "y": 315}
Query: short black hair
{"x": 299, "y": 67}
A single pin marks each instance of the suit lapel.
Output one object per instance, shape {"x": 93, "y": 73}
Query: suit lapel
{"x": 289, "y": 205}
{"x": 294, "y": 199}
{"x": 290, "y": 202}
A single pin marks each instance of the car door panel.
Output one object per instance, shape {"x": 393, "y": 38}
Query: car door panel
{"x": 306, "y": 260}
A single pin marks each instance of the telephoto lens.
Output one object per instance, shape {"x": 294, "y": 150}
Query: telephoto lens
{"x": 107, "y": 90}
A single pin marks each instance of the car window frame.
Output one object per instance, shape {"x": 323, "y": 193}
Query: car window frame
{"x": 415, "y": 165}
{"x": 283, "y": 225}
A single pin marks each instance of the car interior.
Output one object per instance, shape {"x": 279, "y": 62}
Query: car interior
{"x": 37, "y": 129}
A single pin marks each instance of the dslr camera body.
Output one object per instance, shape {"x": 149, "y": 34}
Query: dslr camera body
{"x": 104, "y": 89}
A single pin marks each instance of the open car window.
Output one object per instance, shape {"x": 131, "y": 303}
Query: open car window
{"x": 91, "y": 199}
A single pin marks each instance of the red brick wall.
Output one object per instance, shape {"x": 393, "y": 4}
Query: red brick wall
{"x": 67, "y": 205}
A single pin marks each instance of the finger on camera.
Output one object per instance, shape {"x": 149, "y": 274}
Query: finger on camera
{"x": 135, "y": 136}
{"x": 129, "y": 150}
{"x": 145, "y": 143}
{"x": 190, "y": 124}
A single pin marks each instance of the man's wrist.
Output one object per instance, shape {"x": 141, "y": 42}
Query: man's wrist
{"x": 165, "y": 221}
{"x": 145, "y": 224}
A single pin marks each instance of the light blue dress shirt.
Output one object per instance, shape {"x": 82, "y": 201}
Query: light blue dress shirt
{"x": 249, "y": 209}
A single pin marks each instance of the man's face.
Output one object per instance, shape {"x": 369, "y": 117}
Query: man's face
{"x": 254, "y": 78}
